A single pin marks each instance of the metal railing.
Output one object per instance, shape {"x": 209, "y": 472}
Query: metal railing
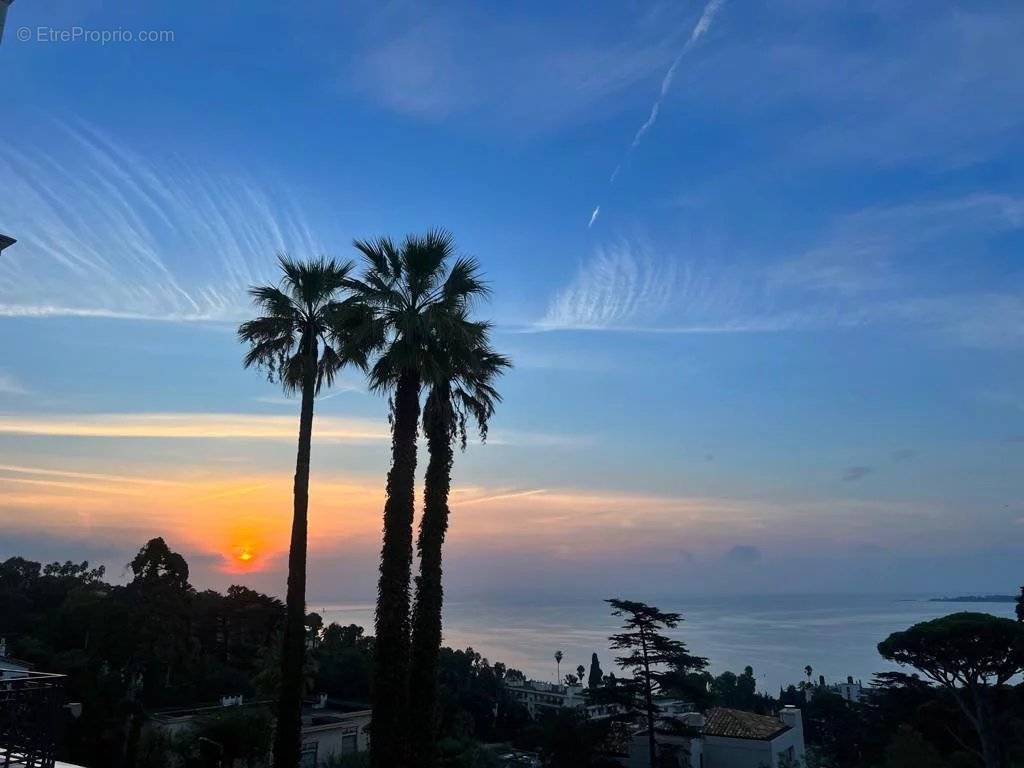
{"x": 30, "y": 716}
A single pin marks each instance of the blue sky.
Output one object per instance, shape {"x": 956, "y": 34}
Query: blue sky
{"x": 758, "y": 265}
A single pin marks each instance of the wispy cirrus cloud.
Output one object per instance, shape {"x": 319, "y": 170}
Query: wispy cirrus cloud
{"x": 207, "y": 426}
{"x": 621, "y": 284}
{"x": 505, "y": 70}
{"x": 243, "y": 426}
{"x": 9, "y": 385}
{"x": 105, "y": 232}
{"x": 878, "y": 248}
{"x": 894, "y": 264}
{"x": 881, "y": 266}
{"x": 17, "y": 470}
{"x": 627, "y": 286}
{"x": 882, "y": 98}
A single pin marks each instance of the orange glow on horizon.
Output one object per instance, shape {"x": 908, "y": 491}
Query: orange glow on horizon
{"x": 239, "y": 522}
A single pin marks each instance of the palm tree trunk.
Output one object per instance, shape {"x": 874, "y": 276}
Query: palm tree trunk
{"x": 426, "y": 617}
{"x": 389, "y": 742}
{"x": 288, "y": 735}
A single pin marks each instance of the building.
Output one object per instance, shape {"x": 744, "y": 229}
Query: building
{"x": 11, "y": 669}
{"x": 326, "y": 732}
{"x": 677, "y": 736}
{"x": 539, "y": 697}
{"x": 724, "y": 738}
{"x": 31, "y": 711}
{"x": 851, "y": 690}
{"x": 735, "y": 739}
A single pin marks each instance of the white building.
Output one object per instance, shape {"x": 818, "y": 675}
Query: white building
{"x": 735, "y": 739}
{"x": 725, "y": 738}
{"x": 539, "y": 697}
{"x": 679, "y": 737}
{"x": 325, "y": 732}
{"x": 851, "y": 690}
{"x": 11, "y": 669}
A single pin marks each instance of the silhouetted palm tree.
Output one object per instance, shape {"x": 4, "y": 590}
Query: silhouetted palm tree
{"x": 463, "y": 391}
{"x": 558, "y": 666}
{"x": 302, "y": 338}
{"x": 417, "y": 298}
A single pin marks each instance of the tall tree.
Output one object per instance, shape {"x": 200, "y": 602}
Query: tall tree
{"x": 306, "y": 332}
{"x": 416, "y": 296}
{"x": 596, "y": 675}
{"x": 558, "y": 666}
{"x": 653, "y": 658}
{"x": 461, "y": 390}
{"x": 973, "y": 655}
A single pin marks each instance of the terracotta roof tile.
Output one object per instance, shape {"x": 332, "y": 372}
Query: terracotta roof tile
{"x": 742, "y": 725}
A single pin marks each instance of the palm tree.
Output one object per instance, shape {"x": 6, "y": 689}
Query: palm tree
{"x": 462, "y": 391}
{"x": 304, "y": 335}
{"x": 416, "y": 298}
{"x": 558, "y": 666}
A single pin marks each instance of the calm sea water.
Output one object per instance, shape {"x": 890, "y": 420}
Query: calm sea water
{"x": 776, "y": 635}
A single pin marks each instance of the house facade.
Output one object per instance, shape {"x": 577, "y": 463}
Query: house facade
{"x": 539, "y": 697}
{"x": 735, "y": 739}
{"x": 724, "y": 738}
{"x": 327, "y": 734}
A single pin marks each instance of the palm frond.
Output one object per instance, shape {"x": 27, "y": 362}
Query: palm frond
{"x": 382, "y": 255}
{"x": 424, "y": 257}
{"x": 327, "y": 367}
{"x": 268, "y": 354}
{"x": 295, "y": 315}
{"x": 464, "y": 284}
{"x": 291, "y": 373}
{"x": 354, "y": 328}
{"x": 274, "y": 302}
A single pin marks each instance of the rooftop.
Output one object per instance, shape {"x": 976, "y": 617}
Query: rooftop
{"x": 735, "y": 724}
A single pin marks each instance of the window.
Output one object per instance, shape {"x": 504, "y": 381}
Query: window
{"x": 308, "y": 757}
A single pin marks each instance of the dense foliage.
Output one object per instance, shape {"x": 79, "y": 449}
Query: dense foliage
{"x": 156, "y": 642}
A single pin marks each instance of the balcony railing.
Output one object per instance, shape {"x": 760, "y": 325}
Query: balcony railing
{"x": 30, "y": 715}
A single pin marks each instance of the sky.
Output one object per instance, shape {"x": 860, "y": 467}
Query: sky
{"x": 758, "y": 266}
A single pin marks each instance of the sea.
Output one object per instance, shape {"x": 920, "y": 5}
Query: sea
{"x": 778, "y": 635}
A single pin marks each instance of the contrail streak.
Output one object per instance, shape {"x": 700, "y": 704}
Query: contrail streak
{"x": 703, "y": 24}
